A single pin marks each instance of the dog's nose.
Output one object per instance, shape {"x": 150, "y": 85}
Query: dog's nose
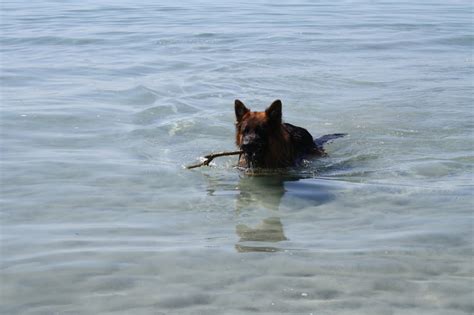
{"x": 249, "y": 144}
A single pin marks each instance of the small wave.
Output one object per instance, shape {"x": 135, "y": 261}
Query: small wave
{"x": 463, "y": 40}
{"x": 163, "y": 111}
{"x": 51, "y": 40}
{"x": 139, "y": 95}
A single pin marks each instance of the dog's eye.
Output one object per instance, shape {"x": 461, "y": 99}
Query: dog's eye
{"x": 246, "y": 129}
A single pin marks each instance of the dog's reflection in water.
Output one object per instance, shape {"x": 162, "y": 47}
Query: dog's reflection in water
{"x": 257, "y": 203}
{"x": 260, "y": 192}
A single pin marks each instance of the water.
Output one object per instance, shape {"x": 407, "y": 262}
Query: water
{"x": 104, "y": 102}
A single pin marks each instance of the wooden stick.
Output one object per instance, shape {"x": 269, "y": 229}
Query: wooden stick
{"x": 210, "y": 157}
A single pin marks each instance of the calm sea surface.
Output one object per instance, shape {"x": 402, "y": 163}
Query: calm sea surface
{"x": 103, "y": 102}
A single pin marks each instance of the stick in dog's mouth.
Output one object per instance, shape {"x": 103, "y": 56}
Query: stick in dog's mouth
{"x": 208, "y": 158}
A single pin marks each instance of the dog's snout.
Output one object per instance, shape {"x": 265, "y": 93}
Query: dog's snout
{"x": 250, "y": 142}
{"x": 248, "y": 146}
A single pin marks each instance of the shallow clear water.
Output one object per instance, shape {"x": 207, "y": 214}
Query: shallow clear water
{"x": 103, "y": 103}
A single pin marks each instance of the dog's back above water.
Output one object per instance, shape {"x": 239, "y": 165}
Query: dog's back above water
{"x": 267, "y": 142}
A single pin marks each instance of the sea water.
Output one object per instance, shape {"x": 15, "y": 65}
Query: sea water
{"x": 104, "y": 102}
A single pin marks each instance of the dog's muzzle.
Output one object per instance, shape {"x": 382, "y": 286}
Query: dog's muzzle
{"x": 253, "y": 153}
{"x": 250, "y": 147}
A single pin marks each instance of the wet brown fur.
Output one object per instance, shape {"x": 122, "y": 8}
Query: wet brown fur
{"x": 279, "y": 146}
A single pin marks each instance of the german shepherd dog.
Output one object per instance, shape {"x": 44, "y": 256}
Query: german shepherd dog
{"x": 267, "y": 142}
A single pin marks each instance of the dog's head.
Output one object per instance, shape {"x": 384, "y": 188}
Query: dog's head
{"x": 255, "y": 129}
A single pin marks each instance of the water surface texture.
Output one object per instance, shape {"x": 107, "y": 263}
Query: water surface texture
{"x": 103, "y": 102}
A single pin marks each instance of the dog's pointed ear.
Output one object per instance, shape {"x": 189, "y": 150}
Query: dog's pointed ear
{"x": 240, "y": 110}
{"x": 274, "y": 111}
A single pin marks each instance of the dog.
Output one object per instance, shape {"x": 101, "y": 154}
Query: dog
{"x": 267, "y": 142}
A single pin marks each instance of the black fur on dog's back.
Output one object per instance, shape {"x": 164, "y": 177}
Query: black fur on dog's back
{"x": 301, "y": 140}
